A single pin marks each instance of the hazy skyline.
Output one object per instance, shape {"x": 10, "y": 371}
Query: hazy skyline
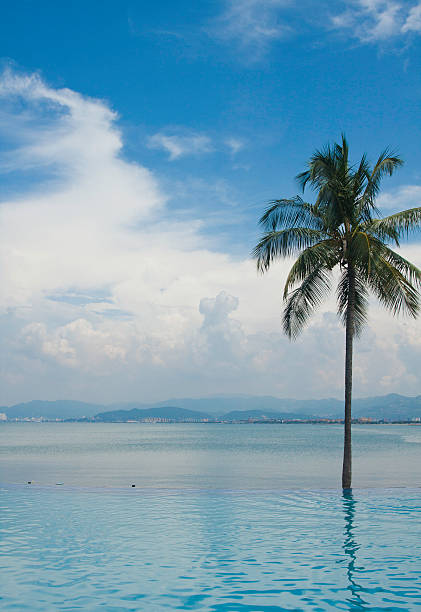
{"x": 136, "y": 160}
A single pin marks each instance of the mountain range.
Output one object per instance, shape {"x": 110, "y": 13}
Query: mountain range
{"x": 174, "y": 413}
{"x": 235, "y": 407}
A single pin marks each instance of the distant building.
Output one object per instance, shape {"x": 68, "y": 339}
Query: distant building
{"x": 3, "y": 416}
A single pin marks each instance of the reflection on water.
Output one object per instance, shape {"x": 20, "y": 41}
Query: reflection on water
{"x": 351, "y": 547}
{"x": 69, "y": 549}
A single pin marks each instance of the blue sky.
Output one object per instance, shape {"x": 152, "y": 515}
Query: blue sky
{"x": 182, "y": 120}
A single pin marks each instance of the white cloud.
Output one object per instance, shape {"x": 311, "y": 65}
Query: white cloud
{"x": 179, "y": 145}
{"x": 252, "y": 24}
{"x": 385, "y": 18}
{"x": 405, "y": 196}
{"x": 377, "y": 20}
{"x": 234, "y": 144}
{"x": 106, "y": 296}
{"x": 413, "y": 21}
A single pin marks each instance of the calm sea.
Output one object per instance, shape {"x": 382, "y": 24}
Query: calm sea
{"x": 222, "y": 518}
{"x": 207, "y": 456}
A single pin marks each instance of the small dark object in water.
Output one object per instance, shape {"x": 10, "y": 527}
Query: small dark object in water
{"x": 59, "y": 483}
{"x": 29, "y": 481}
{"x": 133, "y": 485}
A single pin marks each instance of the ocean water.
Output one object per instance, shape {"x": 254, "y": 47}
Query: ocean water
{"x": 222, "y": 518}
{"x": 207, "y": 456}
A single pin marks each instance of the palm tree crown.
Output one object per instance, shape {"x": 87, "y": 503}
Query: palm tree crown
{"x": 342, "y": 229}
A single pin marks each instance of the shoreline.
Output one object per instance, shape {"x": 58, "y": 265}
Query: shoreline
{"x": 157, "y": 421}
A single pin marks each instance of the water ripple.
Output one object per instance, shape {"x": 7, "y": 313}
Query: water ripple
{"x": 71, "y": 549}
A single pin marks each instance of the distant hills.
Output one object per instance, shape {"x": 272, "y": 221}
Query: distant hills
{"x": 174, "y": 413}
{"x": 222, "y": 404}
{"x": 60, "y": 409}
{"x": 390, "y": 407}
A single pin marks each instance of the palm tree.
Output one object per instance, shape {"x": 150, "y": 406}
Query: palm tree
{"x": 340, "y": 230}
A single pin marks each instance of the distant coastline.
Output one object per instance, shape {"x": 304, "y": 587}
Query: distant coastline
{"x": 362, "y": 421}
{"x": 241, "y": 409}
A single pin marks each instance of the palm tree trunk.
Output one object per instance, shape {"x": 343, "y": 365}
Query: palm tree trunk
{"x": 349, "y": 337}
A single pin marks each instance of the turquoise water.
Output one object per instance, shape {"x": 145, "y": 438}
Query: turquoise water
{"x": 222, "y": 518}
{"x": 67, "y": 549}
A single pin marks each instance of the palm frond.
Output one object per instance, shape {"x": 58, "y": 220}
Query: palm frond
{"x": 324, "y": 253}
{"x": 401, "y": 223}
{"x": 330, "y": 174}
{"x": 361, "y": 175}
{"x": 360, "y": 248}
{"x": 386, "y": 164}
{"x": 392, "y": 278}
{"x": 382, "y": 232}
{"x": 380, "y": 250}
{"x": 276, "y": 244}
{"x": 358, "y": 179}
{"x": 411, "y": 273}
{"x": 322, "y": 168}
{"x": 293, "y": 212}
{"x": 301, "y": 302}
{"x": 391, "y": 286}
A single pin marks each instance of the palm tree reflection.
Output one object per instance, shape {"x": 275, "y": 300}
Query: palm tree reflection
{"x": 350, "y": 548}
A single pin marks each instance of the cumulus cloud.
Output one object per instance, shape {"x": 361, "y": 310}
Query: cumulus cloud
{"x": 108, "y": 296}
{"x": 178, "y": 144}
{"x": 221, "y": 335}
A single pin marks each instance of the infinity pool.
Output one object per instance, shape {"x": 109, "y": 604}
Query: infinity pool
{"x": 68, "y": 548}
{"x": 222, "y": 518}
